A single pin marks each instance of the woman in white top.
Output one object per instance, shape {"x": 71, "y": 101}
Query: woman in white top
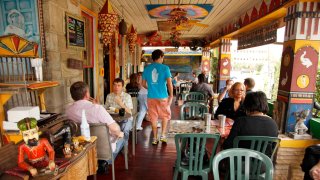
{"x": 142, "y": 98}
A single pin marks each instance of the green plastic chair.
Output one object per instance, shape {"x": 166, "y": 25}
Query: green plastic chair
{"x": 193, "y": 110}
{"x": 197, "y": 149}
{"x": 263, "y": 144}
{"x": 244, "y": 164}
{"x": 185, "y": 86}
{"x": 196, "y": 96}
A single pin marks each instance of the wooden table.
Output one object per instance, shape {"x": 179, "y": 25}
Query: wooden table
{"x": 197, "y": 126}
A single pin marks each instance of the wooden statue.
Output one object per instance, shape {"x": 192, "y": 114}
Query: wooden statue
{"x": 39, "y": 151}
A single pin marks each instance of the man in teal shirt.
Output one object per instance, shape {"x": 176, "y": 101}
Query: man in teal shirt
{"x": 157, "y": 79}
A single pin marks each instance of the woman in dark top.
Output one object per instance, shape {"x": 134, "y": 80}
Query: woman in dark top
{"x": 133, "y": 86}
{"x": 256, "y": 123}
{"x": 232, "y": 107}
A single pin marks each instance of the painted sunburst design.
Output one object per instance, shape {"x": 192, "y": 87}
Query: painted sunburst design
{"x": 13, "y": 45}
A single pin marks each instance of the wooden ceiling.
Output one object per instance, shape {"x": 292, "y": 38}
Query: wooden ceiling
{"x": 223, "y": 12}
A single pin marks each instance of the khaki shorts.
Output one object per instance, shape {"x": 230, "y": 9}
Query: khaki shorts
{"x": 159, "y": 109}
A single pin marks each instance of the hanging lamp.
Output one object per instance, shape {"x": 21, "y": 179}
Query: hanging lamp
{"x": 122, "y": 25}
{"x": 107, "y": 23}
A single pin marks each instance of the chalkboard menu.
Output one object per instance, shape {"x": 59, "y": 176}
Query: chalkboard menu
{"x": 75, "y": 31}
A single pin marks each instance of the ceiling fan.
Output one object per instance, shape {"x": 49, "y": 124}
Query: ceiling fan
{"x": 179, "y": 17}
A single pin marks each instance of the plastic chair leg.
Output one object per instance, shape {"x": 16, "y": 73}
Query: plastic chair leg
{"x": 126, "y": 156}
{"x": 204, "y": 176}
{"x": 134, "y": 134}
{"x": 185, "y": 175}
{"x": 113, "y": 172}
{"x": 176, "y": 173}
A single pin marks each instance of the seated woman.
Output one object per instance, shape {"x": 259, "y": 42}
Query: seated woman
{"x": 232, "y": 107}
{"x": 132, "y": 87}
{"x": 256, "y": 122}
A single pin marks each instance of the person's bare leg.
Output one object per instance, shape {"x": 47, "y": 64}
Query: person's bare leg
{"x": 164, "y": 127}
{"x": 154, "y": 129}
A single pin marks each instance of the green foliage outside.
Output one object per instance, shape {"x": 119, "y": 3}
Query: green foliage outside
{"x": 276, "y": 82}
{"x": 317, "y": 94}
{"x": 213, "y": 69}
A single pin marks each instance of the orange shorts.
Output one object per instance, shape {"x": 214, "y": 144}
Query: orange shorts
{"x": 158, "y": 109}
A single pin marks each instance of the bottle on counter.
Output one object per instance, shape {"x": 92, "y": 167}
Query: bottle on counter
{"x": 85, "y": 129}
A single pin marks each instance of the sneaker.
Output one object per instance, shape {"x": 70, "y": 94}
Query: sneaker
{"x": 163, "y": 139}
{"x": 155, "y": 141}
{"x": 139, "y": 128}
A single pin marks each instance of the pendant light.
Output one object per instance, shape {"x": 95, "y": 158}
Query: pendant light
{"x": 122, "y": 25}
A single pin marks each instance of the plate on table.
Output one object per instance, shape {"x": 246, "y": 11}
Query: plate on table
{"x": 111, "y": 112}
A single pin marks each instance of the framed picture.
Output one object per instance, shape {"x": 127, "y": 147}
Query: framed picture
{"x": 23, "y": 18}
{"x": 76, "y": 31}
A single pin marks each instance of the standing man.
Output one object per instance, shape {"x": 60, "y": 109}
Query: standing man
{"x": 249, "y": 84}
{"x": 157, "y": 79}
{"x": 224, "y": 92}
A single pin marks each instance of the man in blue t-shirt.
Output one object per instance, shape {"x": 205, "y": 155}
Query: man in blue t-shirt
{"x": 157, "y": 79}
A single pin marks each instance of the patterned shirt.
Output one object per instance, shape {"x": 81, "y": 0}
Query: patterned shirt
{"x": 126, "y": 99}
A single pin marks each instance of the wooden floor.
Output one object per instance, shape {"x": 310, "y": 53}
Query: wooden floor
{"x": 151, "y": 162}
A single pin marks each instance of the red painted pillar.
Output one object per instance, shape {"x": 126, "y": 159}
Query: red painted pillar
{"x": 224, "y": 64}
{"x": 299, "y": 64}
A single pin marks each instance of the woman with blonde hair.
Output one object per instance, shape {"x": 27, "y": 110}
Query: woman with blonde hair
{"x": 232, "y": 107}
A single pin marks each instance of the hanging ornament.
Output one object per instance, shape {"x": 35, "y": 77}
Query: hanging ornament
{"x": 132, "y": 38}
{"x": 107, "y": 23}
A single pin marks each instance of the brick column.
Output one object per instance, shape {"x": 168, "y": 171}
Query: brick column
{"x": 299, "y": 63}
{"x": 224, "y": 64}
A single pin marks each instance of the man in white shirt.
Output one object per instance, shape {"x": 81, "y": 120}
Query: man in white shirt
{"x": 119, "y": 99}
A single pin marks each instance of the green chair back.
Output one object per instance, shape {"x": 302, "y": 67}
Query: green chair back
{"x": 197, "y": 150}
{"x": 196, "y": 96}
{"x": 193, "y": 110}
{"x": 264, "y": 144}
{"x": 243, "y": 164}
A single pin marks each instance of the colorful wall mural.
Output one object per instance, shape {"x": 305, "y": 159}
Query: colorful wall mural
{"x": 194, "y": 11}
{"x": 20, "y": 17}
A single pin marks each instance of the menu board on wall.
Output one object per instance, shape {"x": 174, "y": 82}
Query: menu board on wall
{"x": 75, "y": 31}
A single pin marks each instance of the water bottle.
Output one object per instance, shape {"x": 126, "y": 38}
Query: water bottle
{"x": 85, "y": 130}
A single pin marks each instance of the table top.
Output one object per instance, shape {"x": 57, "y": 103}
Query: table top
{"x": 198, "y": 126}
{"x": 119, "y": 118}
